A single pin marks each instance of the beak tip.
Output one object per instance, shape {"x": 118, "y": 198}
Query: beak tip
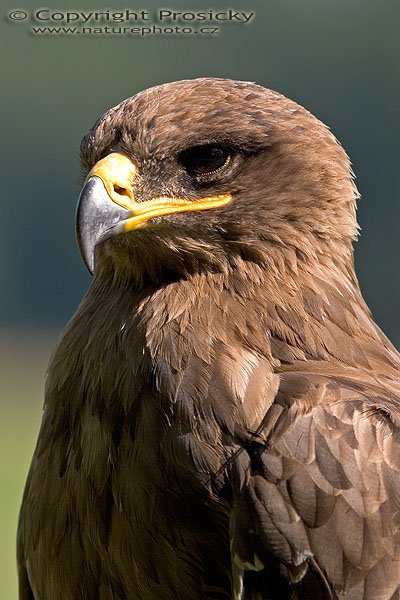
{"x": 96, "y": 215}
{"x": 89, "y": 263}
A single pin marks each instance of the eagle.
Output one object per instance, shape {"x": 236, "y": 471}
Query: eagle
{"x": 222, "y": 414}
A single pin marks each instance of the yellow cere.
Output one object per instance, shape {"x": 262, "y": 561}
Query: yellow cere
{"x": 118, "y": 173}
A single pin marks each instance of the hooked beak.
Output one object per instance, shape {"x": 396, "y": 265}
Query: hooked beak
{"x": 107, "y": 206}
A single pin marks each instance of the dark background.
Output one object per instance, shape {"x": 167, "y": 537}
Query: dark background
{"x": 339, "y": 58}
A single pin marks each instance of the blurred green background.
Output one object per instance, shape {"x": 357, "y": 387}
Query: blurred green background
{"x": 339, "y": 58}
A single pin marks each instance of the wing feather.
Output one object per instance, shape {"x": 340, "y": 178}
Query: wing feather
{"x": 323, "y": 490}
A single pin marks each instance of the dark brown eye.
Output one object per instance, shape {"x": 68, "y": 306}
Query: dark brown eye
{"x": 202, "y": 161}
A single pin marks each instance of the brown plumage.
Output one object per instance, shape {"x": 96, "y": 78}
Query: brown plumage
{"x": 222, "y": 413}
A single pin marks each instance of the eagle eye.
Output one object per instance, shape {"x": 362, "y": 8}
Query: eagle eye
{"x": 203, "y": 161}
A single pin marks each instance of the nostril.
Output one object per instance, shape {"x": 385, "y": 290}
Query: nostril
{"x": 121, "y": 191}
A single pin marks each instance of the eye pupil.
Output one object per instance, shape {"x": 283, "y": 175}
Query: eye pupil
{"x": 204, "y": 160}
